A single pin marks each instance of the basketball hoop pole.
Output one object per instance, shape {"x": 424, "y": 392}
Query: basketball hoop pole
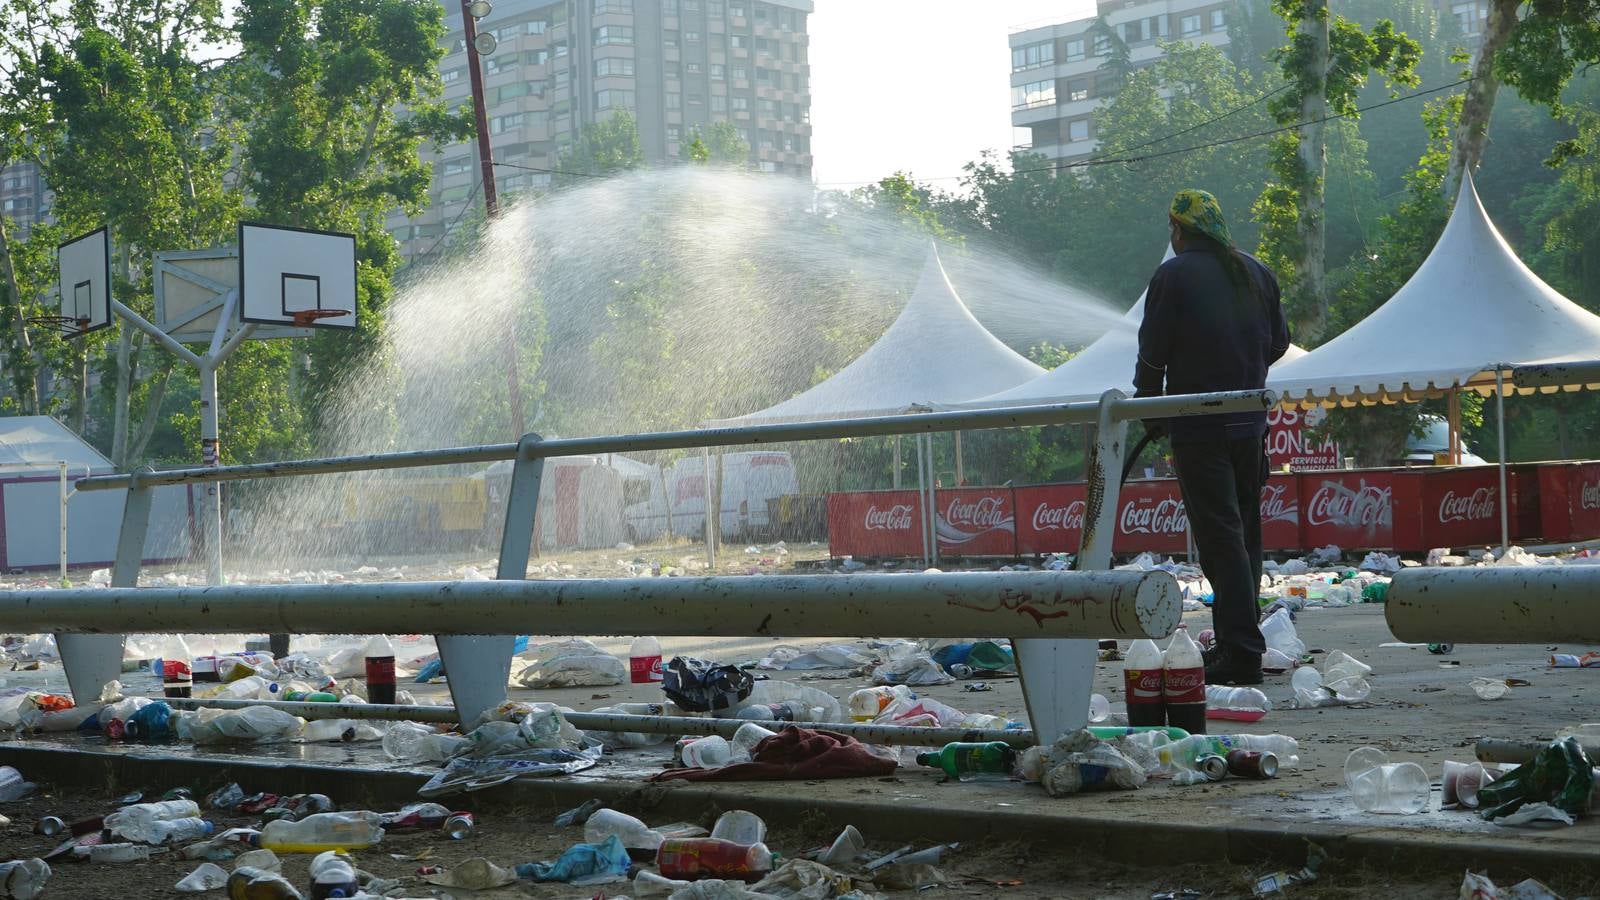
{"x": 222, "y": 345}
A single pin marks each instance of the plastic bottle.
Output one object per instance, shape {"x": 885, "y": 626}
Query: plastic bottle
{"x": 380, "y": 670}
{"x": 23, "y": 879}
{"x": 787, "y": 711}
{"x": 710, "y": 752}
{"x": 250, "y": 687}
{"x": 644, "y": 660}
{"x": 413, "y": 742}
{"x": 1183, "y": 683}
{"x": 332, "y": 875}
{"x": 1184, "y": 753}
{"x": 692, "y": 858}
{"x": 140, "y": 815}
{"x": 867, "y": 703}
{"x": 1239, "y": 704}
{"x": 177, "y": 680}
{"x": 1141, "y": 680}
{"x": 166, "y": 831}
{"x": 323, "y": 831}
{"x": 118, "y": 853}
{"x": 251, "y": 883}
{"x": 311, "y": 697}
{"x": 965, "y": 761}
{"x": 634, "y": 834}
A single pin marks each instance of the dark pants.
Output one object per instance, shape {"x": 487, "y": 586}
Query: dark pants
{"x": 1221, "y": 482}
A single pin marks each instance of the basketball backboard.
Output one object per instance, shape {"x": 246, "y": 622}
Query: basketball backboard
{"x": 191, "y": 288}
{"x": 83, "y": 267}
{"x": 296, "y": 276}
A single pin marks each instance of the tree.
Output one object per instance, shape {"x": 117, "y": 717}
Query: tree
{"x": 1325, "y": 64}
{"x": 721, "y": 144}
{"x": 604, "y": 148}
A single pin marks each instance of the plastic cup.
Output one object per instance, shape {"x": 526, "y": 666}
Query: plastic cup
{"x": 741, "y": 827}
{"x": 1378, "y": 786}
{"x": 1307, "y": 684}
{"x": 847, "y": 846}
{"x": 1099, "y": 708}
{"x": 711, "y": 752}
{"x": 1462, "y": 781}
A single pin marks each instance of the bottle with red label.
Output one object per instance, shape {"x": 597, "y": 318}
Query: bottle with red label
{"x": 1142, "y": 680}
{"x": 380, "y": 670}
{"x": 644, "y": 661}
{"x": 692, "y": 858}
{"x": 1183, "y": 686}
{"x": 177, "y": 678}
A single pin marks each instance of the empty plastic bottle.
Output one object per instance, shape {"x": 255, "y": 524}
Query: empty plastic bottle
{"x": 140, "y": 815}
{"x": 118, "y": 853}
{"x": 251, "y": 883}
{"x": 634, "y": 834}
{"x": 786, "y": 711}
{"x": 1186, "y": 752}
{"x": 13, "y": 786}
{"x": 311, "y": 697}
{"x": 324, "y": 831}
{"x": 413, "y": 742}
{"x": 333, "y": 875}
{"x": 318, "y": 730}
{"x": 166, "y": 831}
{"x": 710, "y": 752}
{"x": 1240, "y": 704}
{"x": 712, "y": 858}
{"x": 644, "y": 661}
{"x": 967, "y": 761}
{"x": 867, "y": 703}
{"x": 250, "y": 687}
{"x": 380, "y": 670}
{"x": 23, "y": 879}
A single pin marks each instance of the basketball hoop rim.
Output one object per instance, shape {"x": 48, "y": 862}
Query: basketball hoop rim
{"x": 66, "y": 326}
{"x": 308, "y": 317}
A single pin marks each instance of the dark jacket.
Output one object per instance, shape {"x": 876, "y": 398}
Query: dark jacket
{"x": 1200, "y": 334}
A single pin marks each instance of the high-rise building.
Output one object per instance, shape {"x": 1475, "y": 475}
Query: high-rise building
{"x": 1056, "y": 76}
{"x": 24, "y": 198}
{"x": 675, "y": 64}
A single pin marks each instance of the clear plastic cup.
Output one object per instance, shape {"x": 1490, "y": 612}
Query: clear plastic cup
{"x": 1099, "y": 708}
{"x": 1462, "y": 781}
{"x": 1379, "y": 786}
{"x": 741, "y": 827}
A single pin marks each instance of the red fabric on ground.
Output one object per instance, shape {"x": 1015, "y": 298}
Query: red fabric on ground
{"x": 795, "y": 753}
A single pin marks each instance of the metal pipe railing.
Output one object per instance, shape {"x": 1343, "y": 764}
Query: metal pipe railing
{"x": 1556, "y": 375}
{"x": 1045, "y": 604}
{"x": 1052, "y": 414}
{"x": 867, "y": 733}
{"x": 1511, "y": 605}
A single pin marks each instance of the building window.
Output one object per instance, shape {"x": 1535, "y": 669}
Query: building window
{"x": 697, "y": 100}
{"x": 736, "y": 10}
{"x": 674, "y": 132}
{"x": 613, "y": 99}
{"x": 719, "y": 103}
{"x": 1102, "y": 45}
{"x": 562, "y": 79}
{"x": 1075, "y": 50}
{"x": 509, "y": 33}
{"x": 768, "y": 166}
{"x": 766, "y": 77}
{"x": 1078, "y": 90}
{"x": 714, "y": 9}
{"x": 450, "y": 76}
{"x": 1078, "y": 130}
{"x": 494, "y": 65}
{"x": 602, "y": 7}
{"x": 741, "y": 73}
{"x": 1219, "y": 19}
{"x": 559, "y": 49}
{"x": 692, "y": 37}
{"x": 1469, "y": 17}
{"x": 536, "y": 57}
{"x": 741, "y": 104}
{"x": 454, "y": 194}
{"x": 669, "y": 39}
{"x": 536, "y": 26}
{"x": 511, "y": 91}
{"x": 613, "y": 34}
{"x": 674, "y": 100}
{"x": 502, "y": 124}
{"x": 455, "y": 166}
{"x": 671, "y": 70}
{"x": 669, "y": 7}
{"x": 1038, "y": 93}
{"x": 612, "y": 65}
{"x": 691, "y": 5}
{"x": 1189, "y": 25}
{"x": 692, "y": 68}
{"x": 736, "y": 41}
{"x": 767, "y": 108}
{"x": 718, "y": 72}
{"x": 1033, "y": 56}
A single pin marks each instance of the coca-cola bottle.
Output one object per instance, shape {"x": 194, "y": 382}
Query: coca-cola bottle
{"x": 1141, "y": 677}
{"x": 1183, "y": 687}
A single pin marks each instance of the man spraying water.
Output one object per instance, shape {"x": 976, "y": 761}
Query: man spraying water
{"x": 1213, "y": 322}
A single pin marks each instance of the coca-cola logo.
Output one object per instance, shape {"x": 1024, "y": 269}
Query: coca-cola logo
{"x": 1185, "y": 685}
{"x": 1059, "y": 518}
{"x": 1144, "y": 684}
{"x": 1589, "y": 496}
{"x": 1467, "y": 508}
{"x": 1339, "y": 504}
{"x": 985, "y": 512}
{"x": 895, "y": 518}
{"x": 1164, "y": 517}
{"x": 1274, "y": 508}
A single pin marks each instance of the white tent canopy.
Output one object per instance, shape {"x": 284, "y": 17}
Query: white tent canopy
{"x": 934, "y": 353}
{"x": 31, "y": 445}
{"x": 1105, "y": 364}
{"x": 1471, "y": 310}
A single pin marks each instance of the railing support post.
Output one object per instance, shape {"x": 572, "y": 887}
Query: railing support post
{"x": 478, "y": 667}
{"x": 91, "y": 660}
{"x": 1057, "y": 675}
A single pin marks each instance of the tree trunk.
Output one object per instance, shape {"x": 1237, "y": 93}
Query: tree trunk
{"x": 152, "y": 409}
{"x": 20, "y": 352}
{"x": 1478, "y": 104}
{"x": 1311, "y": 274}
{"x": 119, "y": 427}
{"x": 78, "y": 408}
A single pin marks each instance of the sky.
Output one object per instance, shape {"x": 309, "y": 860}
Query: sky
{"x": 914, "y": 85}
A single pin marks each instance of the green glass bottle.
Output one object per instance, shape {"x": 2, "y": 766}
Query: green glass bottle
{"x": 965, "y": 761}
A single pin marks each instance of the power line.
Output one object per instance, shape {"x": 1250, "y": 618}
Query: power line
{"x": 1211, "y": 121}
{"x": 471, "y": 195}
{"x": 506, "y": 165}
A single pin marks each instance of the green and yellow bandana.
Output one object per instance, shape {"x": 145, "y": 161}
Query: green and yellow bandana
{"x": 1199, "y": 211}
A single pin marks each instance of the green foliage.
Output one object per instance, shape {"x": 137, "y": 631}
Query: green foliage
{"x": 721, "y": 144}
{"x": 604, "y": 148}
{"x": 1547, "y": 47}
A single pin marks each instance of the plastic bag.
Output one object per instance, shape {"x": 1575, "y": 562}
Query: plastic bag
{"x": 912, "y": 665}
{"x": 1560, "y": 774}
{"x": 700, "y": 685}
{"x": 571, "y": 663}
{"x": 581, "y": 862}
{"x": 542, "y": 728}
{"x": 1280, "y": 635}
{"x": 255, "y": 724}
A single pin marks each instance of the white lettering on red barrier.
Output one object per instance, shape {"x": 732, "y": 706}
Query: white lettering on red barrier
{"x": 1589, "y": 496}
{"x": 895, "y": 518}
{"x": 987, "y": 512}
{"x": 1059, "y": 518}
{"x": 1166, "y": 517}
{"x": 1274, "y": 508}
{"x": 1472, "y": 507}
{"x": 1338, "y": 504}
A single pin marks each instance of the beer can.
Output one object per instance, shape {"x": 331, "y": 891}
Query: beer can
{"x": 459, "y": 826}
{"x": 50, "y": 826}
{"x": 1441, "y": 649}
{"x": 1253, "y": 763}
{"x": 1214, "y": 768}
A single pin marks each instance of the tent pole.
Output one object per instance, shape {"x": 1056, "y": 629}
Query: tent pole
{"x": 933, "y": 504}
{"x": 1500, "y": 425}
{"x": 896, "y": 482}
{"x": 961, "y": 477}
{"x": 922, "y": 500}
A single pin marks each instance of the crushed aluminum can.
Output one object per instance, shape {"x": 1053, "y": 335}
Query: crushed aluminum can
{"x": 49, "y": 826}
{"x": 1215, "y": 768}
{"x": 459, "y": 826}
{"x": 976, "y": 687}
{"x": 1252, "y": 764}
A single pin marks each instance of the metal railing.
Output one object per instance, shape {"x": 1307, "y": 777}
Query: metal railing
{"x": 1052, "y": 618}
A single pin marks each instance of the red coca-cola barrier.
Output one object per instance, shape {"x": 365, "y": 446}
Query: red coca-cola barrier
{"x": 1150, "y": 516}
{"x": 1050, "y": 518}
{"x": 1346, "y": 508}
{"x": 976, "y": 522}
{"x": 1569, "y": 501}
{"x": 875, "y": 523}
{"x": 1280, "y": 513}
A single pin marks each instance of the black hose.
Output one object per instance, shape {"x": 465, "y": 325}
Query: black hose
{"x": 1133, "y": 455}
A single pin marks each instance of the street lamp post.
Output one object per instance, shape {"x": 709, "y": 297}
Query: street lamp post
{"x": 482, "y": 45}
